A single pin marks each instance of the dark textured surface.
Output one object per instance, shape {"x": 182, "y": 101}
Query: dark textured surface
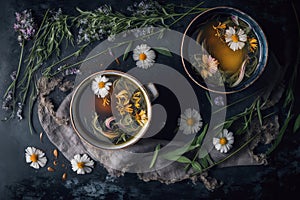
{"x": 17, "y": 180}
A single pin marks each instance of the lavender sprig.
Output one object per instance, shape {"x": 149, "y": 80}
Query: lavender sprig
{"x": 104, "y": 22}
{"x": 25, "y": 26}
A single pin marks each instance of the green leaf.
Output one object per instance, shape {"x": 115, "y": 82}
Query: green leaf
{"x": 164, "y": 11}
{"x": 174, "y": 155}
{"x": 196, "y": 166}
{"x": 204, "y": 162}
{"x": 183, "y": 159}
{"x": 201, "y": 136}
{"x": 209, "y": 160}
{"x": 297, "y": 124}
{"x": 259, "y": 113}
{"x": 209, "y": 98}
{"x": 157, "y": 148}
{"x": 127, "y": 50}
{"x": 161, "y": 34}
{"x": 163, "y": 51}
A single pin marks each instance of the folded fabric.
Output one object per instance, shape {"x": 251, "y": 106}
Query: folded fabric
{"x": 56, "y": 125}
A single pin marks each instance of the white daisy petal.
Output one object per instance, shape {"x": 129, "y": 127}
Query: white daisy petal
{"x": 27, "y": 156}
{"x": 104, "y": 79}
{"x": 218, "y": 146}
{"x": 80, "y": 171}
{"x": 29, "y": 150}
{"x": 35, "y": 165}
{"x": 84, "y": 158}
{"x": 75, "y": 167}
{"x": 88, "y": 170}
{"x": 241, "y": 45}
{"x": 224, "y": 149}
{"x": 228, "y": 146}
{"x": 225, "y": 132}
{"x": 151, "y": 55}
{"x": 90, "y": 164}
{"x": 216, "y": 141}
{"x": 188, "y": 113}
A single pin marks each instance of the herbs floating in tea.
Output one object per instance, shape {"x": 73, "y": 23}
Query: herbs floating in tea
{"x": 229, "y": 51}
{"x": 127, "y": 109}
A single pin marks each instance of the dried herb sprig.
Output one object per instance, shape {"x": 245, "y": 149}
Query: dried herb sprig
{"x": 56, "y": 29}
{"x": 25, "y": 27}
{"x": 104, "y": 22}
{"x": 53, "y": 31}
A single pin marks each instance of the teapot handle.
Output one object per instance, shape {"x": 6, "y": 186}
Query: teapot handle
{"x": 152, "y": 91}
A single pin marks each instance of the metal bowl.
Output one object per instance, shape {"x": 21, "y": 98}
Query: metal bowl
{"x": 83, "y": 101}
{"x": 190, "y": 36}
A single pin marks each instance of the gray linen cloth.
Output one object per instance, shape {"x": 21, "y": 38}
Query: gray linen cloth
{"x": 56, "y": 125}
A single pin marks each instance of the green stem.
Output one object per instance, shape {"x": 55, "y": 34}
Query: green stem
{"x": 48, "y": 69}
{"x": 12, "y": 86}
{"x": 226, "y": 158}
{"x": 238, "y": 101}
{"x": 31, "y": 104}
{"x": 104, "y": 51}
{"x": 25, "y": 90}
{"x": 185, "y": 14}
{"x": 32, "y": 49}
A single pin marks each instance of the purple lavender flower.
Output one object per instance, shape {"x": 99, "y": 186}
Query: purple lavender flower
{"x": 72, "y": 71}
{"x": 25, "y": 26}
{"x": 219, "y": 101}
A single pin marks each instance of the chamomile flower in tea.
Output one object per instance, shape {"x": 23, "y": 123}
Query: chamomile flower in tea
{"x": 210, "y": 66}
{"x": 229, "y": 51}
{"x": 235, "y": 39}
{"x": 120, "y": 111}
{"x": 101, "y": 86}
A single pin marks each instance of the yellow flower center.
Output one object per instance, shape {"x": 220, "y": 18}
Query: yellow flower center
{"x": 34, "y": 157}
{"x": 80, "y": 165}
{"x": 223, "y": 141}
{"x": 190, "y": 121}
{"x": 235, "y": 38}
{"x": 143, "y": 56}
{"x": 101, "y": 84}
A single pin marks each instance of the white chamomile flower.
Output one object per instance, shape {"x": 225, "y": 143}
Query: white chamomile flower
{"x": 144, "y": 56}
{"x": 210, "y": 66}
{"x": 82, "y": 164}
{"x": 235, "y": 39}
{"x": 210, "y": 63}
{"x": 36, "y": 157}
{"x": 101, "y": 86}
{"x": 224, "y": 142}
{"x": 190, "y": 121}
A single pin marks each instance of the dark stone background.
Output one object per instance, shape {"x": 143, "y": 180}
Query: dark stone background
{"x": 281, "y": 178}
